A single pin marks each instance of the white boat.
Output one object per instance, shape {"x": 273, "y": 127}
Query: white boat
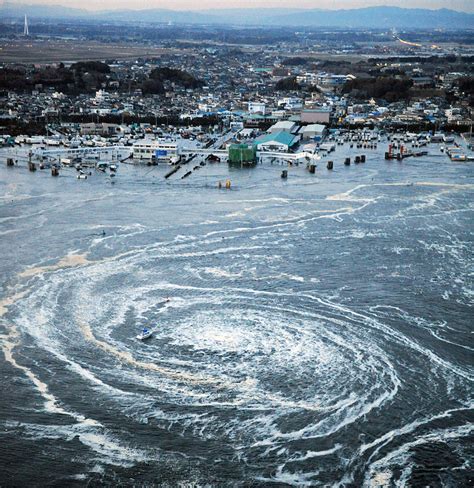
{"x": 144, "y": 334}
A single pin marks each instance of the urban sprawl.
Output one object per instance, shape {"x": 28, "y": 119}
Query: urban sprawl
{"x": 239, "y": 101}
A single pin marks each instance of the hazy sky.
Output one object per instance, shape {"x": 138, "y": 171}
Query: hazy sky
{"x": 466, "y": 5}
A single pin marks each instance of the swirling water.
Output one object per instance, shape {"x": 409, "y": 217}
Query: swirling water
{"x": 318, "y": 330}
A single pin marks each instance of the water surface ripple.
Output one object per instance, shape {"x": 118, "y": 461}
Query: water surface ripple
{"x": 318, "y": 330}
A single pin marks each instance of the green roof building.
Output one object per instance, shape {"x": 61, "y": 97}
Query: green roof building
{"x": 242, "y": 153}
{"x": 279, "y": 141}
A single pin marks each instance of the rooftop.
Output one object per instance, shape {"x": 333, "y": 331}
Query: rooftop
{"x": 278, "y": 137}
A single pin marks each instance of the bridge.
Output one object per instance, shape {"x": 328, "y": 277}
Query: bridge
{"x": 118, "y": 152}
{"x": 205, "y": 151}
{"x": 301, "y": 156}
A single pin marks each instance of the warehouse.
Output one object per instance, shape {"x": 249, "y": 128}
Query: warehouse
{"x": 284, "y": 126}
{"x": 279, "y": 142}
{"x": 313, "y": 131}
{"x": 312, "y": 116}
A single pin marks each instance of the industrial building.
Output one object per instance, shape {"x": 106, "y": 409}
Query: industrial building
{"x": 314, "y": 116}
{"x": 313, "y": 131}
{"x": 284, "y": 126}
{"x": 279, "y": 142}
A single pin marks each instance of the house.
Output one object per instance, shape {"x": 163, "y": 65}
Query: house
{"x": 290, "y": 103}
{"x": 280, "y": 142}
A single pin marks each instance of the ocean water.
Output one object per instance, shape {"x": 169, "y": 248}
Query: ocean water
{"x": 318, "y": 330}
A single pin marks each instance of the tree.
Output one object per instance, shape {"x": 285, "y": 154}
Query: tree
{"x": 296, "y": 61}
{"x": 385, "y": 87}
{"x": 152, "y": 87}
{"x": 177, "y": 76}
{"x": 287, "y": 84}
{"x": 91, "y": 66}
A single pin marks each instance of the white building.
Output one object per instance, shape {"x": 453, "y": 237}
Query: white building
{"x": 246, "y": 133}
{"x": 161, "y": 149}
{"x": 101, "y": 96}
{"x": 313, "y": 131}
{"x": 329, "y": 81}
{"x": 256, "y": 108}
{"x": 206, "y": 107}
{"x": 101, "y": 111}
{"x": 284, "y": 126}
{"x": 290, "y": 103}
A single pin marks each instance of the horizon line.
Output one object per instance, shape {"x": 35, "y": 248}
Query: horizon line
{"x": 118, "y": 9}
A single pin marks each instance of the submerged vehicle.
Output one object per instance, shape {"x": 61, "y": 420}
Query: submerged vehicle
{"x": 144, "y": 334}
{"x": 101, "y": 166}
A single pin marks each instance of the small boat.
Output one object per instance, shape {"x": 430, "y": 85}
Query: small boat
{"x": 144, "y": 334}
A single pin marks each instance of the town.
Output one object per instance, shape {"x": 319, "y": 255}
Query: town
{"x": 237, "y": 243}
{"x": 289, "y": 98}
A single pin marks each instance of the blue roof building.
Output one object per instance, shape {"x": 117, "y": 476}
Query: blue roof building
{"x": 280, "y": 141}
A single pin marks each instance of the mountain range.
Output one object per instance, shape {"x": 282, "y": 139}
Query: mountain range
{"x": 370, "y": 17}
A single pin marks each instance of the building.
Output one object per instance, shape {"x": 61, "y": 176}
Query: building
{"x": 242, "y": 153}
{"x": 278, "y": 142}
{"x": 246, "y": 133}
{"x": 290, "y": 103}
{"x": 284, "y": 126}
{"x": 101, "y": 96}
{"x": 256, "y": 108}
{"x": 280, "y": 71}
{"x": 100, "y": 129}
{"x": 155, "y": 149}
{"x": 423, "y": 81}
{"x": 330, "y": 81}
{"x": 315, "y": 116}
{"x": 313, "y": 131}
{"x": 450, "y": 78}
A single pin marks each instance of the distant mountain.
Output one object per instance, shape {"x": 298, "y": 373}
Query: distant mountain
{"x": 371, "y": 17}
{"x": 13, "y": 10}
{"x": 159, "y": 15}
{"x": 383, "y": 17}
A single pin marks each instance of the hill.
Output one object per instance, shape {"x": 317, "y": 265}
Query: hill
{"x": 371, "y": 17}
